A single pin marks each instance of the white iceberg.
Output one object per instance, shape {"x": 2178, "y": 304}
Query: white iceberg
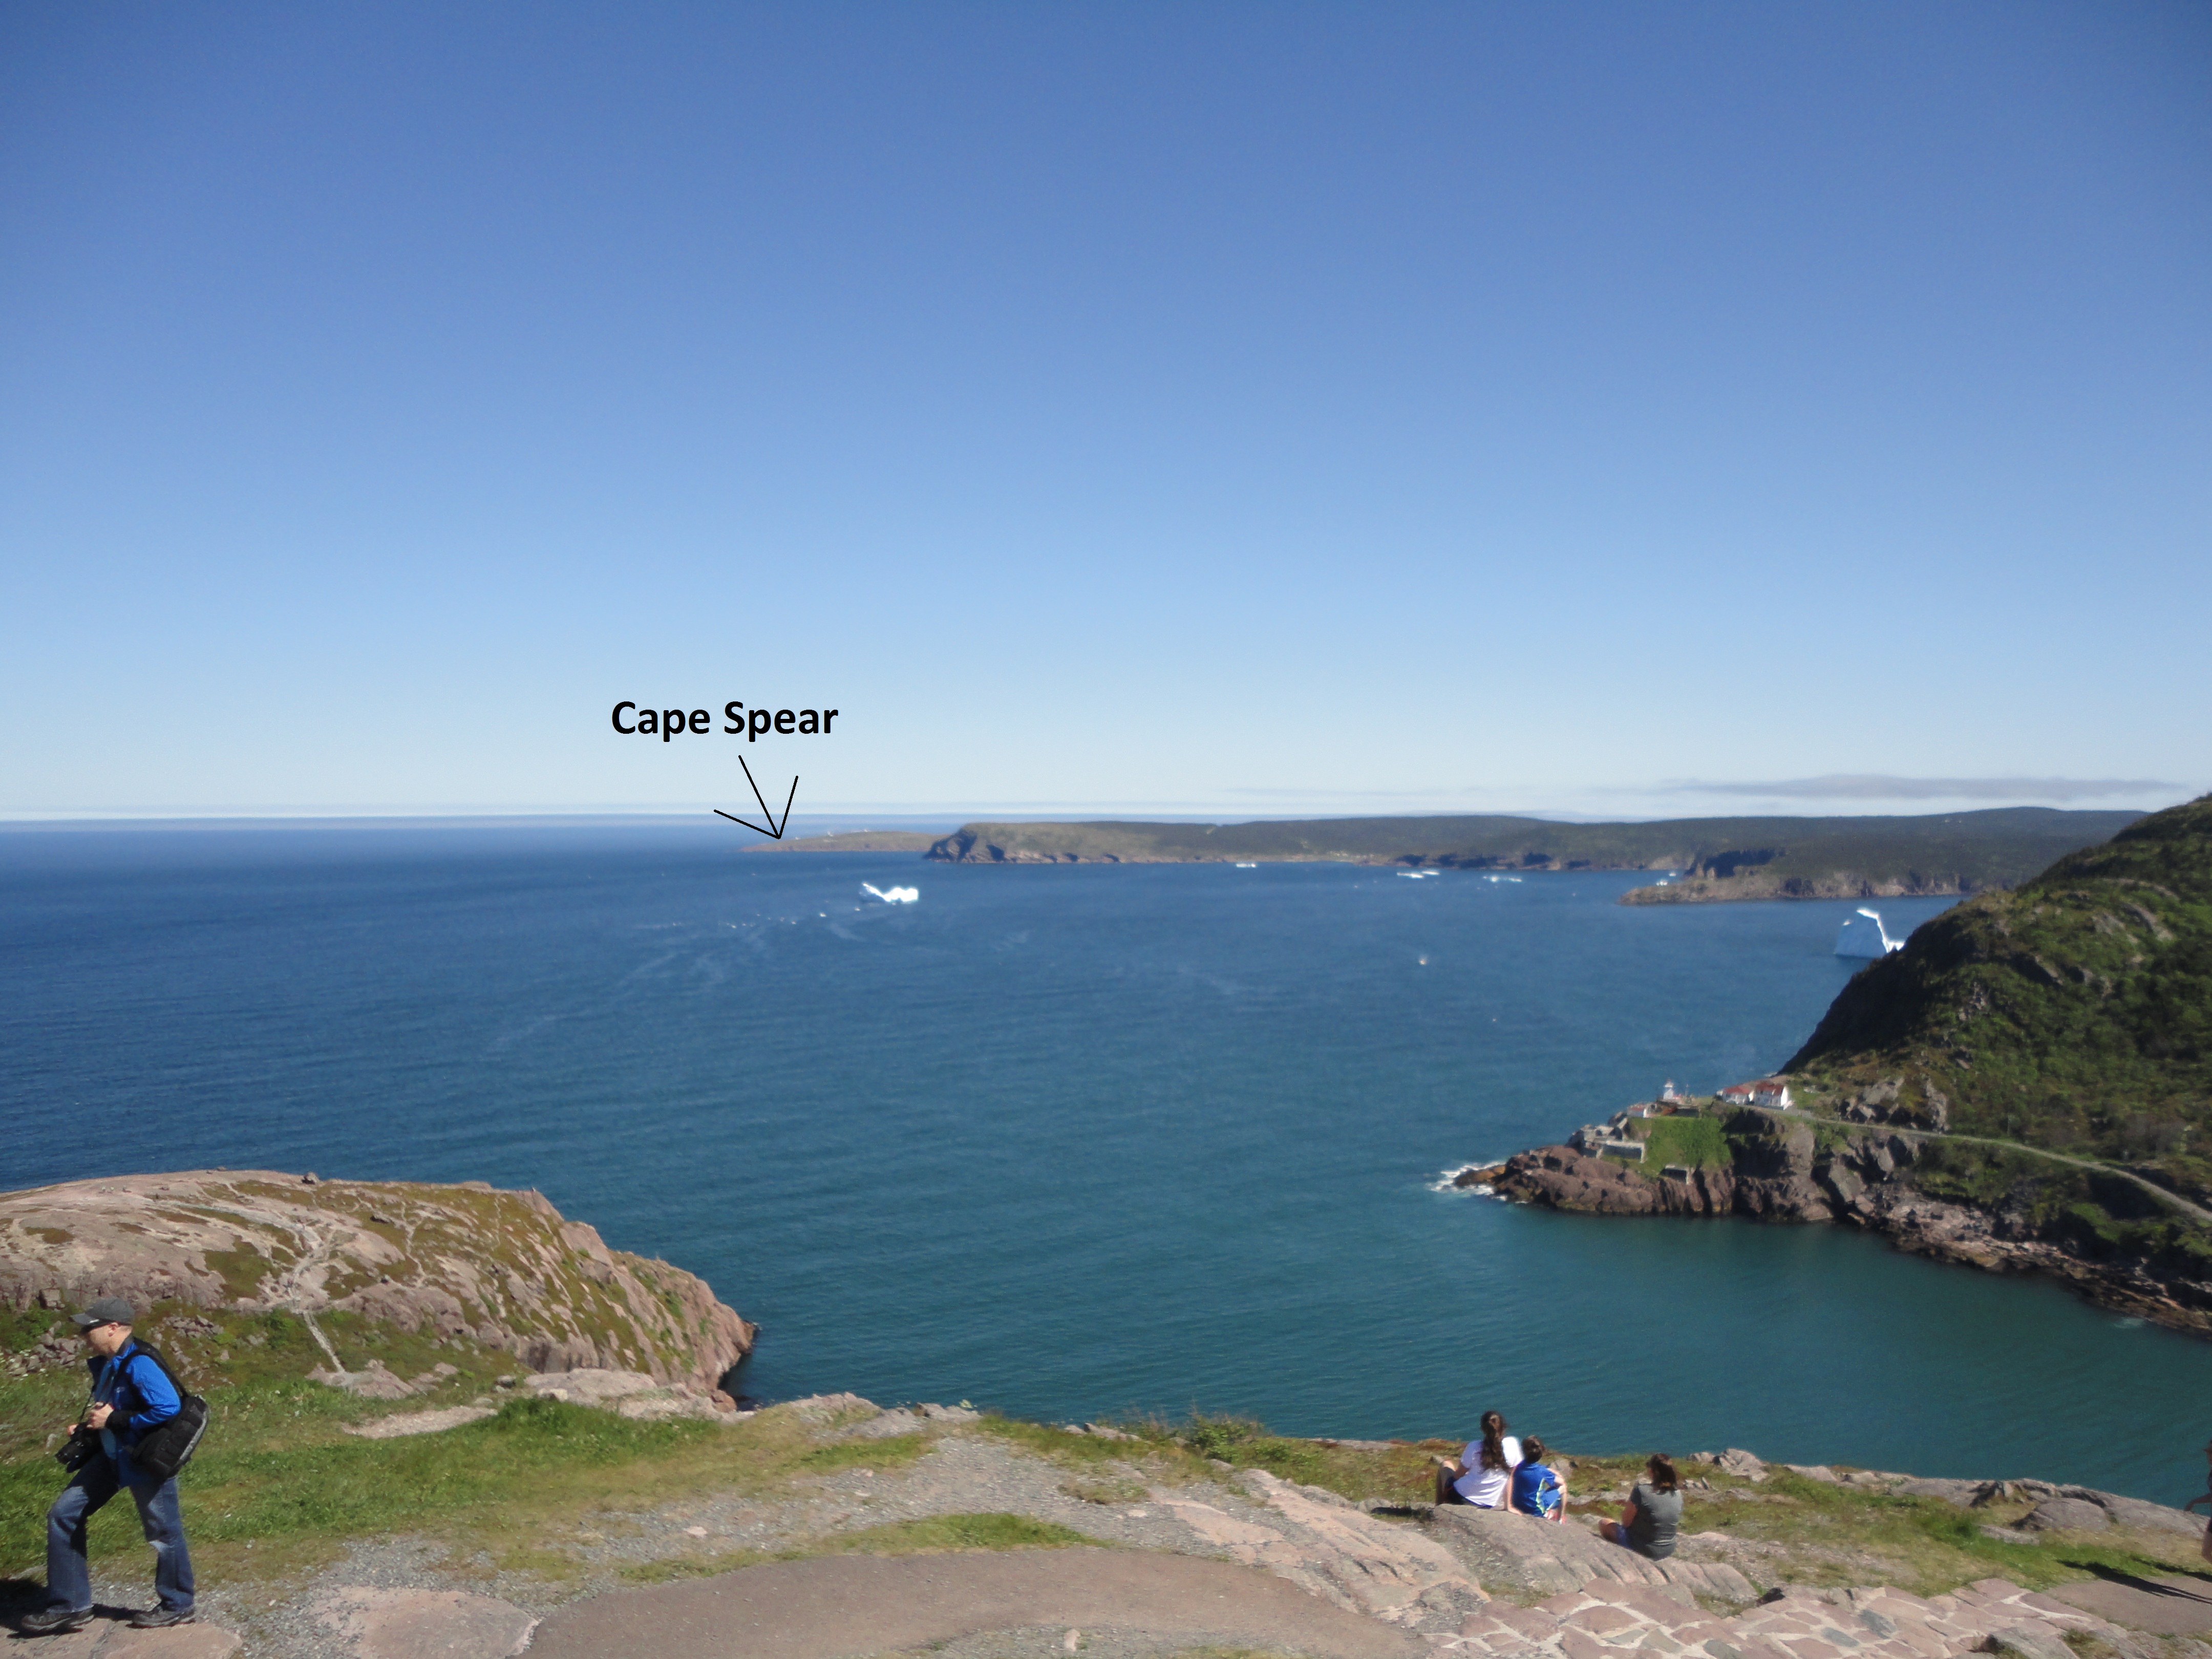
{"x": 895, "y": 896}
{"x": 1864, "y": 935}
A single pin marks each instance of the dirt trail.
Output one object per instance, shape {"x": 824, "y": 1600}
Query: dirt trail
{"x": 843, "y": 1606}
{"x": 2171, "y": 1200}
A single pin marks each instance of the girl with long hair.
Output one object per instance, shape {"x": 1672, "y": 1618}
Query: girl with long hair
{"x": 1480, "y": 1474}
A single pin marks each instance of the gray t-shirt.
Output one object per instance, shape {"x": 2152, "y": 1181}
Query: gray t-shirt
{"x": 1658, "y": 1517}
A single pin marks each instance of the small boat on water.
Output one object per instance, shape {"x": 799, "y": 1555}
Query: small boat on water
{"x": 1864, "y": 935}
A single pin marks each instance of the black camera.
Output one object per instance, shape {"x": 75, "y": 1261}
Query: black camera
{"x": 79, "y": 1449}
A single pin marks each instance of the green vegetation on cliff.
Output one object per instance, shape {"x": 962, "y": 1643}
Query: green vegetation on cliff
{"x": 1725, "y": 858}
{"x": 2073, "y": 1014}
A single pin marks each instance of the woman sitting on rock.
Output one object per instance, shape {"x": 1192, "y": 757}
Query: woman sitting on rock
{"x": 1654, "y": 1514}
{"x": 1480, "y": 1474}
{"x": 1537, "y": 1490}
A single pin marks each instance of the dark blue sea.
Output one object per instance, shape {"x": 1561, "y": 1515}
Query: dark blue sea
{"x": 1070, "y": 1140}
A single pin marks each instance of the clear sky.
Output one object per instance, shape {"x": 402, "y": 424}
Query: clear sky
{"x": 1108, "y": 408}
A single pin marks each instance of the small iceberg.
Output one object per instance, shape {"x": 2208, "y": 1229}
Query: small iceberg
{"x": 1248, "y": 866}
{"x": 1864, "y": 935}
{"x": 895, "y": 896}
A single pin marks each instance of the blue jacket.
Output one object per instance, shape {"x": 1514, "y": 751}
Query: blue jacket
{"x": 142, "y": 1396}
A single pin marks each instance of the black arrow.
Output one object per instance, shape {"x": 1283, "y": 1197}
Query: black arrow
{"x": 775, "y": 833}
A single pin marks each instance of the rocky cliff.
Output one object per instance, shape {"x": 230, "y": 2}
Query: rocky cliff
{"x": 502, "y": 1268}
{"x": 1786, "y": 1167}
{"x": 1771, "y": 883}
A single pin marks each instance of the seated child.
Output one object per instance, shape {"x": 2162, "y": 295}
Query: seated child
{"x": 1536, "y": 1489}
{"x": 1654, "y": 1514}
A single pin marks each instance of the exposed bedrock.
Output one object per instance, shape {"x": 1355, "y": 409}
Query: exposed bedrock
{"x": 503, "y": 1267}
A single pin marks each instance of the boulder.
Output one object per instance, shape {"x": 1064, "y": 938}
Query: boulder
{"x": 2066, "y": 1515}
{"x": 2138, "y": 1512}
{"x": 632, "y": 1393}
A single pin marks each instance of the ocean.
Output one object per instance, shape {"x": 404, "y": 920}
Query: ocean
{"x": 1071, "y": 1141}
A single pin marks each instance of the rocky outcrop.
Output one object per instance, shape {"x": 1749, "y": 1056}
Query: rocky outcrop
{"x": 1519, "y": 1552}
{"x": 1784, "y": 1170}
{"x": 502, "y": 1267}
{"x": 633, "y": 1394}
{"x": 1328, "y": 1546}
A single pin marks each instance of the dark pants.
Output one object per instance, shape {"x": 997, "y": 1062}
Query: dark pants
{"x": 69, "y": 1577}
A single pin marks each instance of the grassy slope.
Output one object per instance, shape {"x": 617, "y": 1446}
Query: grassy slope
{"x": 2074, "y": 1013}
{"x": 1975, "y": 849}
{"x": 280, "y": 1488}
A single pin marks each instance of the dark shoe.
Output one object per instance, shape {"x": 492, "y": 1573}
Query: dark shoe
{"x": 161, "y": 1617}
{"x": 55, "y": 1621}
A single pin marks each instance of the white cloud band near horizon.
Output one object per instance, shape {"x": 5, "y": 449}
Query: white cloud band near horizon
{"x": 1867, "y": 786}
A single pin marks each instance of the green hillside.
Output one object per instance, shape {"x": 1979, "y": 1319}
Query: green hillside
{"x": 1726, "y": 858}
{"x": 2074, "y": 1013}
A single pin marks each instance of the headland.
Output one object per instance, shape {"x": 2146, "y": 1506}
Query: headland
{"x": 2024, "y": 1087}
{"x": 1706, "y": 859}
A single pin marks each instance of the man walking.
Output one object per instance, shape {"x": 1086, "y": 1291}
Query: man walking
{"x": 131, "y": 1395}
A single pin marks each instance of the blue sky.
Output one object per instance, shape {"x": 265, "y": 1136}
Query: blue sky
{"x": 1221, "y": 409}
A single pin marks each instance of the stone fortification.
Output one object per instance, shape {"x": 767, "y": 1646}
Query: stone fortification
{"x": 502, "y": 1268}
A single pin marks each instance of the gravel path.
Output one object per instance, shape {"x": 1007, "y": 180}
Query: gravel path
{"x": 964, "y": 1472}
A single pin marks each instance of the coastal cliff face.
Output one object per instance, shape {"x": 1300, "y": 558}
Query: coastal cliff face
{"x": 501, "y": 1268}
{"x": 1764, "y": 883}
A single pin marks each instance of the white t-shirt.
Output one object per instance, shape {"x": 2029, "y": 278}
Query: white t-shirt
{"x": 1486, "y": 1487}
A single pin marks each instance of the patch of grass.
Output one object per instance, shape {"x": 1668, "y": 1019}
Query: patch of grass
{"x": 929, "y": 1534}
{"x": 1152, "y": 1448}
{"x": 892, "y": 1451}
{"x": 279, "y": 1486}
{"x": 1401, "y": 1473}
{"x": 1694, "y": 1141}
{"x": 1920, "y": 1544}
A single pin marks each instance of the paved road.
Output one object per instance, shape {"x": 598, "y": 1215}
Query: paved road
{"x": 834, "y": 1606}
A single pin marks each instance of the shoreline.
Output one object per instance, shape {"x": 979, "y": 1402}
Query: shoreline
{"x": 1793, "y": 1167}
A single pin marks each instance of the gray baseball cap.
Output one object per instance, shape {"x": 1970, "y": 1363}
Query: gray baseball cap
{"x": 108, "y": 1310}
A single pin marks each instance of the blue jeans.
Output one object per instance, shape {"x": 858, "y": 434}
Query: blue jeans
{"x": 68, "y": 1578}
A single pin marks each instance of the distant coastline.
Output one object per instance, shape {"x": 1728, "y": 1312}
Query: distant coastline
{"x": 1698, "y": 860}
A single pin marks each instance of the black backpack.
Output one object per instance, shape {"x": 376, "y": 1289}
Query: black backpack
{"x": 168, "y": 1447}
